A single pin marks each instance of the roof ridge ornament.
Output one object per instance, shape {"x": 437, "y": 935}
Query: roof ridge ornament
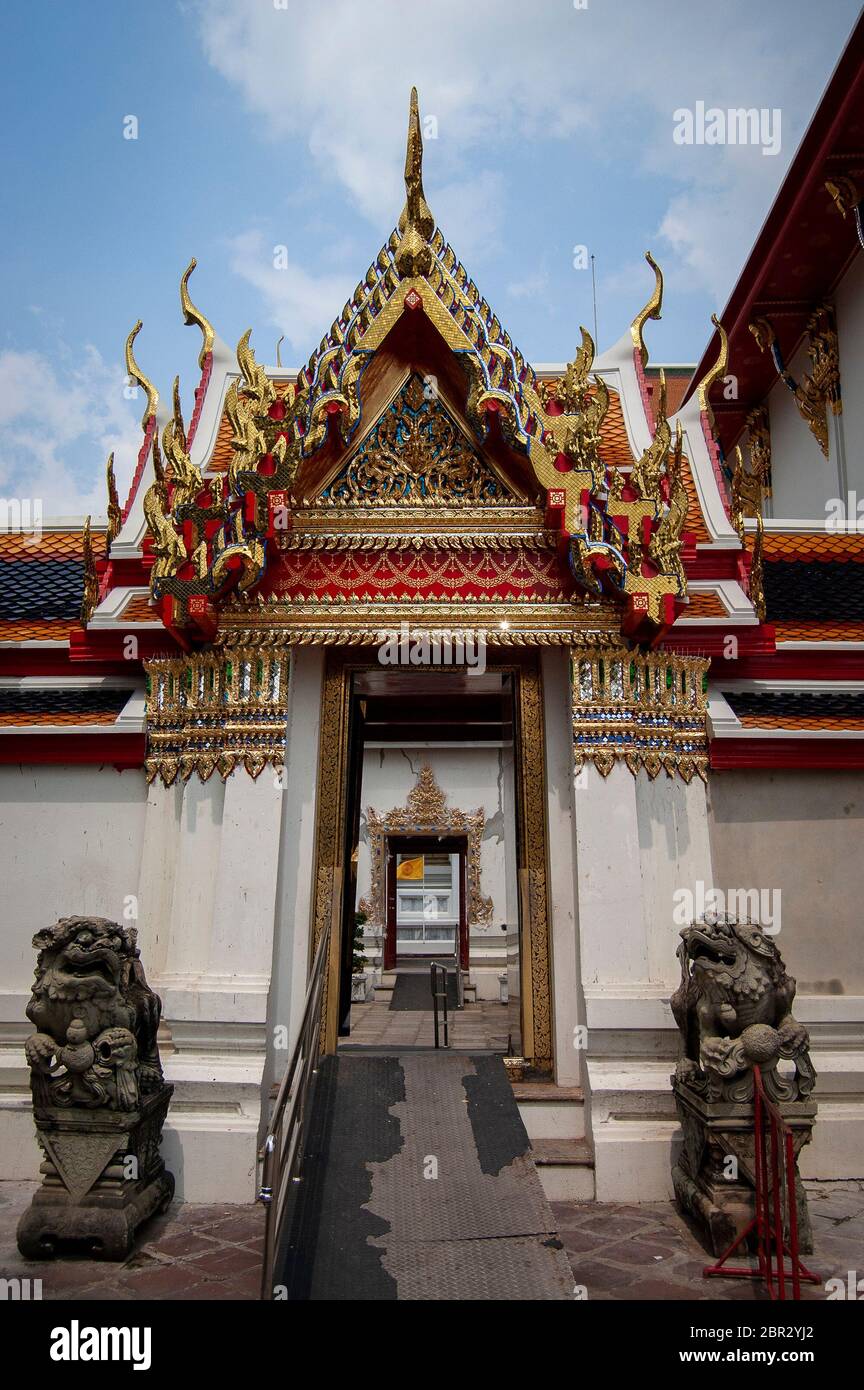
{"x": 194, "y": 317}
{"x": 115, "y": 515}
{"x": 135, "y": 374}
{"x": 714, "y": 373}
{"x": 413, "y": 255}
{"x": 651, "y": 311}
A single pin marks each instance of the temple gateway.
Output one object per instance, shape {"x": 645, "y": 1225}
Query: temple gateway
{"x": 433, "y": 655}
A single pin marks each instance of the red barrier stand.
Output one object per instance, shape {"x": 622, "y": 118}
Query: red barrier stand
{"x": 772, "y": 1203}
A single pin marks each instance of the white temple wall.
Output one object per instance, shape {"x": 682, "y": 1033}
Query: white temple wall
{"x": 803, "y": 479}
{"x": 568, "y": 1002}
{"x": 638, "y": 842}
{"x": 71, "y": 840}
{"x": 296, "y": 858}
{"x": 798, "y": 834}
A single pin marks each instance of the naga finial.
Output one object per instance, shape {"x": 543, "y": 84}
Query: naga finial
{"x": 416, "y": 224}
{"x": 179, "y": 427}
{"x": 135, "y": 374}
{"x": 651, "y": 311}
{"x": 115, "y": 515}
{"x": 191, "y": 315}
{"x": 714, "y": 373}
{"x": 90, "y": 589}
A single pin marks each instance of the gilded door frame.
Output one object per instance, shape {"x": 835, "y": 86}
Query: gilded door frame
{"x": 531, "y": 837}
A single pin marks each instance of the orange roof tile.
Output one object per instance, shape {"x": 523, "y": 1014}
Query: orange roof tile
{"x": 800, "y": 721}
{"x": 50, "y": 545}
{"x": 825, "y": 545}
{"x": 34, "y": 630}
{"x": 59, "y": 717}
{"x": 819, "y": 632}
{"x": 705, "y": 605}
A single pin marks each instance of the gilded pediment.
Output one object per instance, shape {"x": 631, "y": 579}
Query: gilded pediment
{"x": 417, "y": 455}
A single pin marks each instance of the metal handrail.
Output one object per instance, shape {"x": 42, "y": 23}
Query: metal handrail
{"x": 283, "y": 1147}
{"x": 434, "y": 979}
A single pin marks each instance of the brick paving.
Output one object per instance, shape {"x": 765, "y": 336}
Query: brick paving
{"x": 198, "y": 1252}
{"x": 650, "y": 1251}
{"x": 616, "y": 1252}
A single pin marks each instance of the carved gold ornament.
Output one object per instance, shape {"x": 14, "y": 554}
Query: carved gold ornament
{"x": 193, "y": 317}
{"x": 651, "y": 311}
{"x": 747, "y": 501}
{"x": 216, "y": 710}
{"x": 115, "y": 516}
{"x": 715, "y": 373}
{"x": 90, "y": 590}
{"x": 425, "y": 813}
{"x": 416, "y": 456}
{"x": 647, "y": 711}
{"x": 135, "y": 374}
{"x": 819, "y": 390}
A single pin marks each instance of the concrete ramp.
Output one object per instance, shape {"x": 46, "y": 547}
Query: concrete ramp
{"x": 418, "y": 1185}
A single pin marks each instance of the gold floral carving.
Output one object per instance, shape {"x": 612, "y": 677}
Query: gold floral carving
{"x": 426, "y": 812}
{"x": 646, "y": 710}
{"x": 213, "y": 711}
{"x": 416, "y": 455}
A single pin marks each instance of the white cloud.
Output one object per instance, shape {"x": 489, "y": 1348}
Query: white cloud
{"x": 494, "y": 72}
{"x": 298, "y": 303}
{"x": 52, "y": 409}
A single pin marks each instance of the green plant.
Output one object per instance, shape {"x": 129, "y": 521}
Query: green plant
{"x": 358, "y": 955}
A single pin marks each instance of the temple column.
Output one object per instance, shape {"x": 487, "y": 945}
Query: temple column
{"x": 208, "y": 902}
{"x": 641, "y": 835}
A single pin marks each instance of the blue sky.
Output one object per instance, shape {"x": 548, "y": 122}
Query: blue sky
{"x": 264, "y": 123}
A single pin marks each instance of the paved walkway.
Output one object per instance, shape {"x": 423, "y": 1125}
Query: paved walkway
{"x": 615, "y": 1252}
{"x": 476, "y": 1027}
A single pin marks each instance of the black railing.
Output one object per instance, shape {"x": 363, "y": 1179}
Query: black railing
{"x": 283, "y": 1146}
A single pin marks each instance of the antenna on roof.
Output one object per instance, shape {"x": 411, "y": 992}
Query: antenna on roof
{"x": 594, "y": 293}
{"x": 278, "y": 345}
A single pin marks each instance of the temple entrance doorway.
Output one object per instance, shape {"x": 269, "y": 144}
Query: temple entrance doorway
{"x": 431, "y": 786}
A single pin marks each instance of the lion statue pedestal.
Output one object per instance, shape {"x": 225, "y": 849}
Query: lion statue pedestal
{"x": 734, "y": 1009}
{"x": 99, "y": 1097}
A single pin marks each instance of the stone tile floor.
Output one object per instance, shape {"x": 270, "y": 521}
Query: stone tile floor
{"x": 478, "y": 1026}
{"x": 651, "y": 1252}
{"x": 616, "y": 1252}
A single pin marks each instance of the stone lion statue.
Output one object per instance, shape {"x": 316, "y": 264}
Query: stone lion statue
{"x": 95, "y": 1015}
{"x": 733, "y": 1008}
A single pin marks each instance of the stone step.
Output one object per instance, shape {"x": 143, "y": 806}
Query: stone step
{"x": 549, "y": 1111}
{"x": 565, "y": 1168}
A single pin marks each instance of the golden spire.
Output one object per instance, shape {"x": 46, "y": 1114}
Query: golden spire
{"x": 191, "y": 315}
{"x": 413, "y": 254}
{"x": 651, "y": 310}
{"x": 135, "y": 374}
{"x": 115, "y": 516}
{"x": 714, "y": 373}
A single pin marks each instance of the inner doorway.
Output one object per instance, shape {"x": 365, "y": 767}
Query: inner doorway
{"x": 479, "y": 868}
{"x": 427, "y": 914}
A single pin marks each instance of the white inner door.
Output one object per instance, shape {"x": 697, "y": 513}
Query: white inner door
{"x": 427, "y": 903}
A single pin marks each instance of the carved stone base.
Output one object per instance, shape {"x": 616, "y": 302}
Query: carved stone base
{"x": 102, "y": 1177}
{"x": 715, "y": 1132}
